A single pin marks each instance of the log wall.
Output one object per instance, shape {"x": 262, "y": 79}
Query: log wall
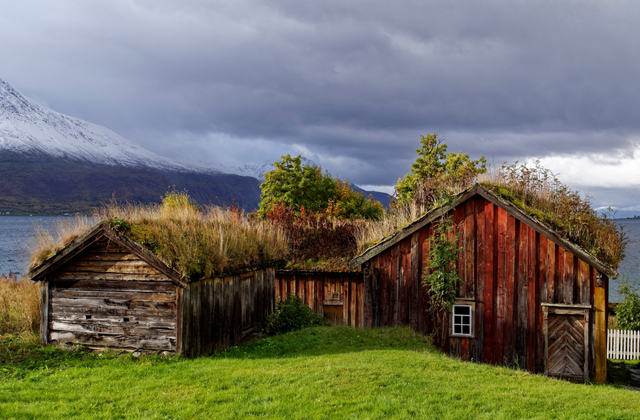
{"x": 107, "y": 297}
{"x": 337, "y": 296}
{"x": 508, "y": 270}
{"x": 220, "y": 312}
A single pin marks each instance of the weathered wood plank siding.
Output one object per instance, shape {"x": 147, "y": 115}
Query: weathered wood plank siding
{"x": 220, "y": 312}
{"x": 337, "y": 296}
{"x": 107, "y": 297}
{"x": 509, "y": 270}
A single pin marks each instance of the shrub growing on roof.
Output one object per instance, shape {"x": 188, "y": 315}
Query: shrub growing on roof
{"x": 295, "y": 185}
{"x": 436, "y": 174}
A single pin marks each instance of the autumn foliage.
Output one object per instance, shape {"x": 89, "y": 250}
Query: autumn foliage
{"x": 316, "y": 242}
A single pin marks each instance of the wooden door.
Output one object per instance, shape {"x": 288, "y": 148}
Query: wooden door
{"x": 333, "y": 305}
{"x": 566, "y": 331}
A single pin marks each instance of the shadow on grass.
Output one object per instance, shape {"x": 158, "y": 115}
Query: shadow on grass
{"x": 21, "y": 355}
{"x": 624, "y": 372}
{"x": 328, "y": 340}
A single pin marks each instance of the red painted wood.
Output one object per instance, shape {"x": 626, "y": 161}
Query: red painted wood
{"x": 521, "y": 294}
{"x": 560, "y": 275}
{"x": 501, "y": 287}
{"x": 510, "y": 299}
{"x": 551, "y": 271}
{"x": 470, "y": 236}
{"x": 569, "y": 277}
{"x": 533, "y": 300}
{"x": 489, "y": 281}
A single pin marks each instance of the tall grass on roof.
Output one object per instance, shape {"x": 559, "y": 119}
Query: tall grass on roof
{"x": 539, "y": 193}
{"x": 196, "y": 242}
{"x": 44, "y": 243}
{"x": 371, "y": 232}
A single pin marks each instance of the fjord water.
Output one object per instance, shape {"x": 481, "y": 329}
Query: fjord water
{"x": 17, "y": 231}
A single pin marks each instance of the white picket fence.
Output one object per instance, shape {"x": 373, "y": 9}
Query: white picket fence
{"x": 623, "y": 345}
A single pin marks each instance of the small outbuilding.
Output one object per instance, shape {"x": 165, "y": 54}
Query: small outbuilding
{"x": 104, "y": 290}
{"x": 528, "y": 297}
{"x": 336, "y": 295}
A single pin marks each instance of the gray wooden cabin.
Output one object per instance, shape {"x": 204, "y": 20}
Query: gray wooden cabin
{"x": 105, "y": 291}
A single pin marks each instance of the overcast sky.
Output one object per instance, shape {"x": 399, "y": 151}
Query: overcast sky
{"x": 349, "y": 84}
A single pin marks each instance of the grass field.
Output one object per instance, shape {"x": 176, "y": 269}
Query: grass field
{"x": 334, "y": 372}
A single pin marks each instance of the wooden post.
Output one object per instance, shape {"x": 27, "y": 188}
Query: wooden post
{"x": 44, "y": 313}
{"x": 601, "y": 328}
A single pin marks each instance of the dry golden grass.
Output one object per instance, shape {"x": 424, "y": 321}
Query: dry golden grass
{"x": 427, "y": 197}
{"x": 19, "y": 305}
{"x": 44, "y": 242}
{"x": 196, "y": 242}
{"x": 370, "y": 232}
{"x": 533, "y": 189}
{"x": 539, "y": 193}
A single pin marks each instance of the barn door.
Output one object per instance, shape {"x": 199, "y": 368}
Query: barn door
{"x": 566, "y": 335}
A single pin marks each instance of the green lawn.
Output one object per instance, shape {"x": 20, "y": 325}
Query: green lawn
{"x": 316, "y": 373}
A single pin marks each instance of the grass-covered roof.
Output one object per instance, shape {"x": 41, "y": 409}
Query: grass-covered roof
{"x": 194, "y": 242}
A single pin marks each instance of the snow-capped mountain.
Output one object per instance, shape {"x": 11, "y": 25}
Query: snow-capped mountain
{"x": 52, "y": 164}
{"x": 27, "y": 128}
{"x": 257, "y": 171}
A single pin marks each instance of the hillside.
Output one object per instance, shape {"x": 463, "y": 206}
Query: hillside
{"x": 45, "y": 185}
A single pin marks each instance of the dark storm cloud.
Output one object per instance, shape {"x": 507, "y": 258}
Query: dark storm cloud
{"x": 354, "y": 83}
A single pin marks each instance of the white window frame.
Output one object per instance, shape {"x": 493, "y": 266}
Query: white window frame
{"x": 472, "y": 312}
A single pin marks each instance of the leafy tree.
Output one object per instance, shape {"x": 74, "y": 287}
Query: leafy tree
{"x": 436, "y": 173}
{"x": 297, "y": 186}
{"x": 628, "y": 311}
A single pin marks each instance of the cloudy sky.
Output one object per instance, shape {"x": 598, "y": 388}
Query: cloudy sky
{"x": 349, "y": 84}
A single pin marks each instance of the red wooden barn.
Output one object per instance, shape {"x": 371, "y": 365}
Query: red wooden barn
{"x": 528, "y": 299}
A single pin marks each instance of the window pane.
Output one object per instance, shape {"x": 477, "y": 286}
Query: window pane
{"x": 466, "y": 320}
{"x": 466, "y": 330}
{"x": 457, "y": 329}
{"x": 457, "y": 320}
{"x": 463, "y": 310}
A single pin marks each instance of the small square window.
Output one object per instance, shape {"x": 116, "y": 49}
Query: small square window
{"x": 462, "y": 320}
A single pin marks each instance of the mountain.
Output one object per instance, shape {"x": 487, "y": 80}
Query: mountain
{"x": 52, "y": 163}
{"x": 27, "y": 128}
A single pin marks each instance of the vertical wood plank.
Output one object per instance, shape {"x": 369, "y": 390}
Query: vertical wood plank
{"x": 414, "y": 281}
{"x": 601, "y": 331}
{"x": 583, "y": 283}
{"x": 501, "y": 285}
{"x": 470, "y": 236}
{"x": 489, "y": 278}
{"x": 478, "y": 351}
{"x": 179, "y": 320}
{"x": 533, "y": 303}
{"x": 376, "y": 294}
{"x": 44, "y": 313}
{"x": 552, "y": 250}
{"x": 218, "y": 299}
{"x": 186, "y": 321}
{"x": 560, "y": 275}
{"x": 510, "y": 301}
{"x": 522, "y": 294}
{"x": 421, "y": 302}
{"x": 569, "y": 277}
